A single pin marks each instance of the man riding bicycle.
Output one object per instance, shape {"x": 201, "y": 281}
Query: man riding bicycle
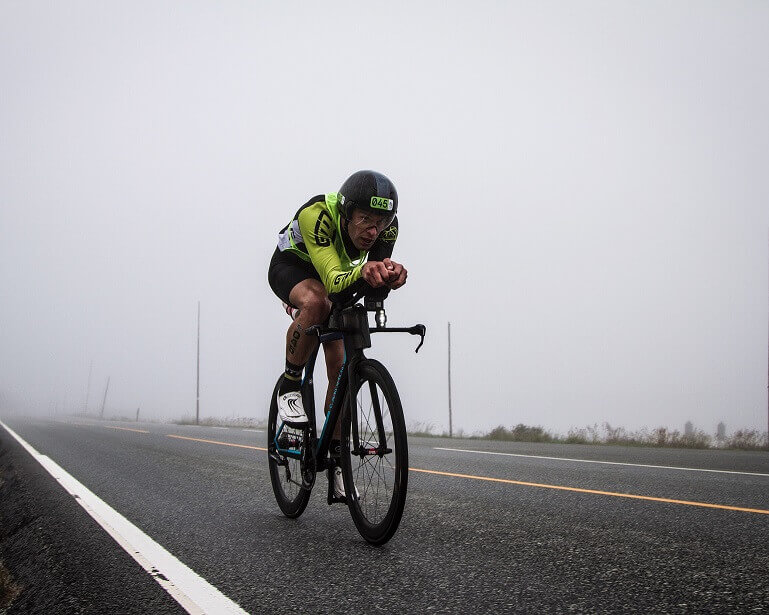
{"x": 335, "y": 245}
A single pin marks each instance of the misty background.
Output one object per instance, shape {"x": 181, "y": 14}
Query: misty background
{"x": 583, "y": 194}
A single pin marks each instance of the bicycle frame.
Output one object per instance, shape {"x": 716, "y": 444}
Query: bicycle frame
{"x": 351, "y": 325}
{"x": 354, "y": 343}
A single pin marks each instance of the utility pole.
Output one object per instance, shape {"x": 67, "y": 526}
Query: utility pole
{"x": 104, "y": 401}
{"x": 451, "y": 427}
{"x": 88, "y": 390}
{"x": 197, "y": 393}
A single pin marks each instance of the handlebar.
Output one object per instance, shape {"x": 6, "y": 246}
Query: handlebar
{"x": 371, "y": 305}
{"x": 419, "y": 330}
{"x": 349, "y": 302}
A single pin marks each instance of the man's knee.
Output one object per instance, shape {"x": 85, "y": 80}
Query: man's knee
{"x": 313, "y": 302}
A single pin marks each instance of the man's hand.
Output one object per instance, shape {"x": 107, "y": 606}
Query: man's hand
{"x": 375, "y": 273}
{"x": 384, "y": 273}
{"x": 397, "y": 273}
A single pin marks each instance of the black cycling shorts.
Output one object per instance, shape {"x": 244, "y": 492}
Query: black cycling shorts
{"x": 286, "y": 271}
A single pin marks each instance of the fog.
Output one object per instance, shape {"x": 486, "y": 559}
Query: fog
{"x": 583, "y": 195}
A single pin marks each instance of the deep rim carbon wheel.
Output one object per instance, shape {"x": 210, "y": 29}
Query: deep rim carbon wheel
{"x": 285, "y": 472}
{"x": 375, "y": 459}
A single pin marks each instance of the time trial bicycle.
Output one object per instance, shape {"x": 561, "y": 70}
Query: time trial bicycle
{"x": 374, "y": 452}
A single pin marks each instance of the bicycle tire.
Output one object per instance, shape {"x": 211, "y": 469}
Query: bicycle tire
{"x": 286, "y": 479}
{"x": 375, "y": 482}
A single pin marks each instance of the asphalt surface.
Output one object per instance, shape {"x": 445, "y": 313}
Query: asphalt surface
{"x": 466, "y": 543}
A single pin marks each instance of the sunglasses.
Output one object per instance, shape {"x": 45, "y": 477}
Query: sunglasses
{"x": 366, "y": 221}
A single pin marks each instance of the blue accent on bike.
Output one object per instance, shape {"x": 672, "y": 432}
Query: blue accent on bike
{"x": 277, "y": 433}
{"x": 324, "y": 429}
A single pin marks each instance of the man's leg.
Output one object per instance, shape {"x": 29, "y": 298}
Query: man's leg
{"x": 314, "y": 307}
{"x": 334, "y": 352}
{"x": 311, "y": 298}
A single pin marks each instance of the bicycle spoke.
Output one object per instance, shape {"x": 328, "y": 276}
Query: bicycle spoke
{"x": 377, "y": 468}
{"x": 285, "y": 471}
{"x": 374, "y": 474}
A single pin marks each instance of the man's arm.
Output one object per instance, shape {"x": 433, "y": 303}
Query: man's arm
{"x": 382, "y": 249}
{"x": 385, "y": 244}
{"x": 318, "y": 231}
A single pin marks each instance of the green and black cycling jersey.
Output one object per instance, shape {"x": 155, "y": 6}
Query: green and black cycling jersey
{"x": 316, "y": 235}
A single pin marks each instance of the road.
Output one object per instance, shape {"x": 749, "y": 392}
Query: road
{"x": 488, "y": 526}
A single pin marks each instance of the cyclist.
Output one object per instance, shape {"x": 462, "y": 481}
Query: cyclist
{"x": 335, "y": 245}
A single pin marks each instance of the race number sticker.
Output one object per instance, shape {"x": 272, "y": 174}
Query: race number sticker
{"x": 378, "y": 202}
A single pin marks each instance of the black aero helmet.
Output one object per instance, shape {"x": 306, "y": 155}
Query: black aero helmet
{"x": 369, "y": 191}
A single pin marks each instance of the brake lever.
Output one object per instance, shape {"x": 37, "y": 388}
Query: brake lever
{"x": 421, "y": 331}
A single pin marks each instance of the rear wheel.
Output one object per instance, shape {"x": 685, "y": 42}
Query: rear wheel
{"x": 374, "y": 453}
{"x": 285, "y": 466}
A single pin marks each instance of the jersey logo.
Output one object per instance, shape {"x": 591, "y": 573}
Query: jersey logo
{"x": 378, "y": 202}
{"x": 324, "y": 229}
{"x": 390, "y": 234}
{"x": 341, "y": 277}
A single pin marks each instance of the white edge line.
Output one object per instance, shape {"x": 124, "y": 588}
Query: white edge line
{"x": 196, "y": 595}
{"x": 254, "y": 430}
{"x": 613, "y": 463}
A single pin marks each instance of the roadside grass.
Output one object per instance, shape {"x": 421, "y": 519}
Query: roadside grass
{"x": 244, "y": 422}
{"x": 520, "y": 433}
{"x": 425, "y": 430}
{"x": 748, "y": 440}
{"x": 241, "y": 421}
{"x": 659, "y": 437}
{"x": 606, "y": 434}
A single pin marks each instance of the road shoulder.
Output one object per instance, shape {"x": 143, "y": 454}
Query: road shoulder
{"x": 61, "y": 560}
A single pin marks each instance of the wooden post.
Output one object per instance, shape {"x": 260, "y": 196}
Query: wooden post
{"x": 451, "y": 426}
{"x": 104, "y": 401}
{"x": 88, "y": 389}
{"x": 197, "y": 394}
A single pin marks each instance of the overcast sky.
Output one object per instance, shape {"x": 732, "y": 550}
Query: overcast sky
{"x": 583, "y": 194}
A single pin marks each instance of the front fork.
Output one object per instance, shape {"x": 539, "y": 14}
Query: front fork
{"x": 352, "y": 407}
{"x": 366, "y": 448}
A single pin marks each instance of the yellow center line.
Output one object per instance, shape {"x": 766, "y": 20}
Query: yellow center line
{"x": 508, "y": 481}
{"x": 595, "y": 491}
{"x": 125, "y": 429}
{"x": 254, "y": 448}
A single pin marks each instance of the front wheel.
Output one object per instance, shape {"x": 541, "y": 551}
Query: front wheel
{"x": 285, "y": 447}
{"x": 374, "y": 453}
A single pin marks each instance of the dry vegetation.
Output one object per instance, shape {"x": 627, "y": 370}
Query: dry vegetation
{"x": 743, "y": 439}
